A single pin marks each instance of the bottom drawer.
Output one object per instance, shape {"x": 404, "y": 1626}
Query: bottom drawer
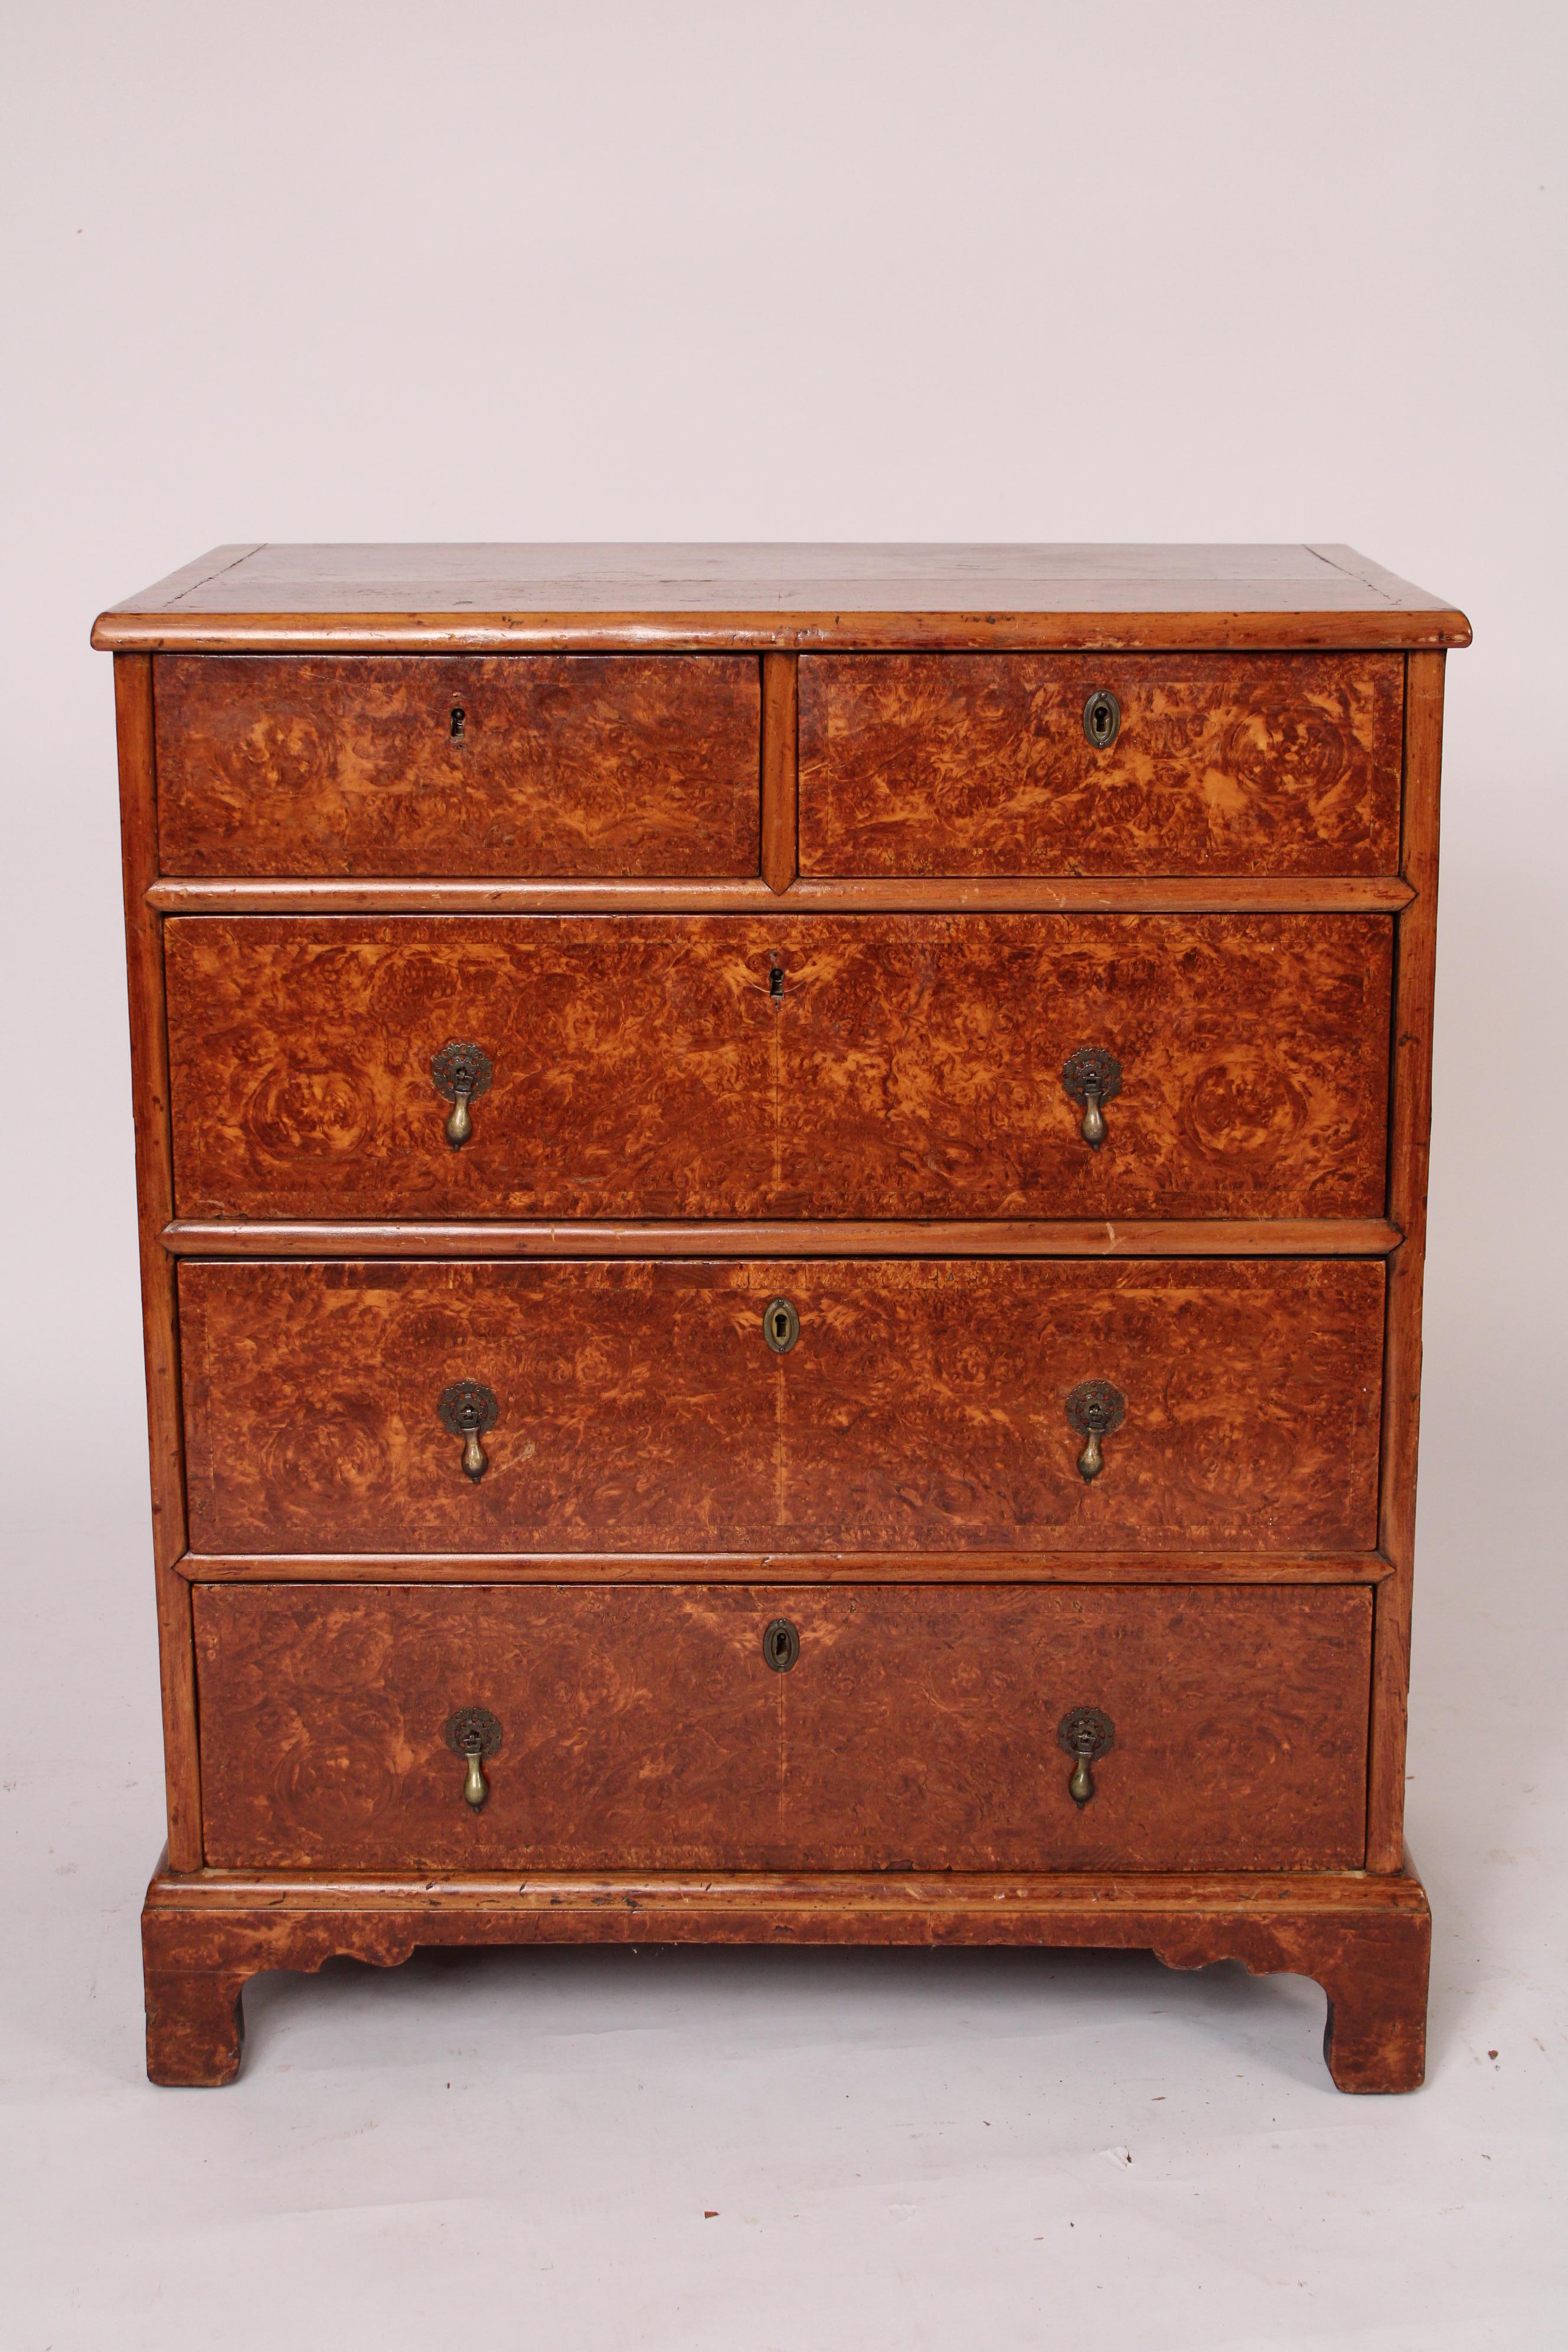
{"x": 917, "y": 1727}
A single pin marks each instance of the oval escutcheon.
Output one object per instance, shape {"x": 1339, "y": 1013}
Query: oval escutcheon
{"x": 781, "y": 1325}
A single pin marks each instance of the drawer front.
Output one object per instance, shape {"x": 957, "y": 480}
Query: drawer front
{"x": 924, "y": 1406}
{"x": 832, "y": 1065}
{"x": 642, "y": 1728}
{"x": 524, "y": 764}
{"x": 980, "y": 763}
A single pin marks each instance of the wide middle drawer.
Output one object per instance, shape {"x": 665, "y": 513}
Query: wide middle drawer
{"x": 808, "y": 1065}
{"x": 804, "y": 1406}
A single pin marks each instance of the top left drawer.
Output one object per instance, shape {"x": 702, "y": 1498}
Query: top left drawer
{"x": 593, "y": 764}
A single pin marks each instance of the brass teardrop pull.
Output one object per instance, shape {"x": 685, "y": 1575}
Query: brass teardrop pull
{"x": 461, "y": 1073}
{"x": 473, "y": 1733}
{"x": 1094, "y": 1408}
{"x": 468, "y": 1409}
{"x": 1092, "y": 1076}
{"x": 1086, "y": 1733}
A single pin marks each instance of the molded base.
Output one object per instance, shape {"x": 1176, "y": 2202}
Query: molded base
{"x": 1365, "y": 1938}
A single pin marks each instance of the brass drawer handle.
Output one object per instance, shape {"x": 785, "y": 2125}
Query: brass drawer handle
{"x": 467, "y": 1408}
{"x": 461, "y": 1073}
{"x": 473, "y": 1734}
{"x": 1094, "y": 1408}
{"x": 1087, "y": 1733}
{"x": 1092, "y": 1076}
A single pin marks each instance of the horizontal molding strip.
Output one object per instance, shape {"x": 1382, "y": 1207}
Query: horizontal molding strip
{"x": 1196, "y": 1237}
{"x": 630, "y": 1902}
{"x": 785, "y": 1567}
{"x": 1296, "y": 628}
{"x": 1235, "y": 894}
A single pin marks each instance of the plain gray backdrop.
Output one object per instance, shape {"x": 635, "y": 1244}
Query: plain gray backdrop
{"x": 1151, "y": 270}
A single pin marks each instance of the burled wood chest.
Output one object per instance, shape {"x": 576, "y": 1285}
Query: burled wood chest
{"x": 781, "y": 1208}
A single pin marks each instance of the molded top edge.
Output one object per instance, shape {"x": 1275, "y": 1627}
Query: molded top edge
{"x": 261, "y": 598}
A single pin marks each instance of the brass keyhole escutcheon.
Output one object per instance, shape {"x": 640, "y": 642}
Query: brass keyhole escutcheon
{"x": 1094, "y": 1408}
{"x": 1102, "y": 719}
{"x": 468, "y": 1409}
{"x": 781, "y": 1645}
{"x": 1092, "y": 1076}
{"x": 461, "y": 1073}
{"x": 781, "y": 1325}
{"x": 1086, "y": 1733}
{"x": 473, "y": 1733}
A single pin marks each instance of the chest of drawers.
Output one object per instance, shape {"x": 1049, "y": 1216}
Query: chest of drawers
{"x": 782, "y": 1209}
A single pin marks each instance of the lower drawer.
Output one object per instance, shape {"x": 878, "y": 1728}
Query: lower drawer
{"x": 652, "y": 1728}
{"x": 911, "y": 1406}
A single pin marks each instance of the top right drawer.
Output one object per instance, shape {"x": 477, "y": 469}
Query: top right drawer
{"x": 1088, "y": 763}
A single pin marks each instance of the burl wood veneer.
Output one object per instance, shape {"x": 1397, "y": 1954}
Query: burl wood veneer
{"x": 588, "y": 764}
{"x": 979, "y": 764}
{"x": 923, "y": 1407}
{"x": 645, "y": 1729}
{"x": 720, "y": 1066}
{"x": 773, "y": 1451}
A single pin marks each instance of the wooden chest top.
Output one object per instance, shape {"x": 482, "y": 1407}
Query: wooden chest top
{"x": 620, "y": 597}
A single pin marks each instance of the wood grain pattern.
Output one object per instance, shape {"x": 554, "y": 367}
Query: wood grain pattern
{"x": 642, "y": 1729}
{"x": 375, "y": 599}
{"x": 923, "y": 1407}
{"x": 1410, "y": 1134}
{"x": 1307, "y": 893}
{"x": 1365, "y": 1940}
{"x": 154, "y": 1203}
{"x": 779, "y": 770}
{"x": 841, "y": 1237}
{"x": 895, "y": 1066}
{"x": 942, "y": 764}
{"x": 922, "y": 1059}
{"x": 566, "y": 765}
{"x": 636, "y": 1066}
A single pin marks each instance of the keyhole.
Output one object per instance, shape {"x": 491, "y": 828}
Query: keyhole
{"x": 781, "y": 1645}
{"x": 781, "y": 1325}
{"x": 459, "y": 721}
{"x": 1101, "y": 718}
{"x": 776, "y": 983}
